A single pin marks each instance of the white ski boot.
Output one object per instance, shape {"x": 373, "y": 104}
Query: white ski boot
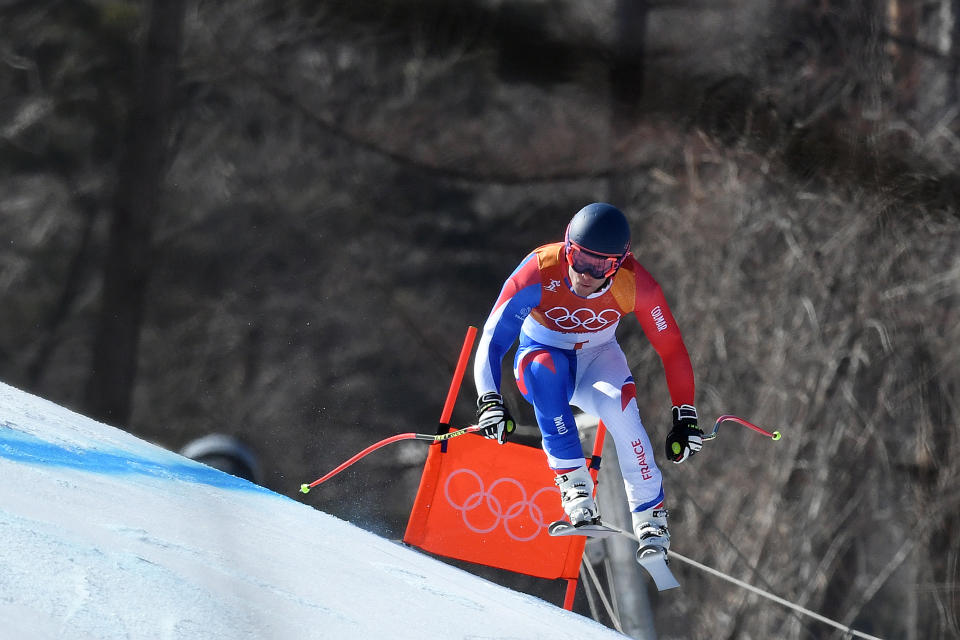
{"x": 650, "y": 526}
{"x": 576, "y": 496}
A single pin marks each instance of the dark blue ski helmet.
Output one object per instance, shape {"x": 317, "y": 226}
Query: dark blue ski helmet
{"x": 600, "y": 228}
{"x": 597, "y": 240}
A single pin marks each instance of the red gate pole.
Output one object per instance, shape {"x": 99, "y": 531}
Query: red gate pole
{"x": 594, "y": 472}
{"x": 457, "y": 380}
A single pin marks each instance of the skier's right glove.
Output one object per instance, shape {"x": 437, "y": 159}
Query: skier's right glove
{"x": 493, "y": 418}
{"x": 686, "y": 438}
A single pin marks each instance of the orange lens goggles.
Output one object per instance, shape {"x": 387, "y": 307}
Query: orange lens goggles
{"x": 593, "y": 264}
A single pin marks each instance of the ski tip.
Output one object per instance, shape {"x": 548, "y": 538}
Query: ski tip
{"x": 304, "y": 488}
{"x": 776, "y": 435}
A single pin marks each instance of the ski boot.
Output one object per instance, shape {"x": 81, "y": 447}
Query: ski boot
{"x": 576, "y": 496}
{"x": 650, "y": 526}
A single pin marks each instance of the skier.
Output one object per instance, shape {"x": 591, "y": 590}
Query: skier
{"x": 565, "y": 301}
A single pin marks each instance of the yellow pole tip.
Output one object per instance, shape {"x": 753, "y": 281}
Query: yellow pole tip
{"x": 776, "y": 435}
{"x": 305, "y": 488}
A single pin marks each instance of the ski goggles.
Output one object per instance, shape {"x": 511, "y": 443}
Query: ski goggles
{"x": 594, "y": 264}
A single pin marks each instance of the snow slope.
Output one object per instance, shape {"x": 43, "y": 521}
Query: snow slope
{"x": 103, "y": 535}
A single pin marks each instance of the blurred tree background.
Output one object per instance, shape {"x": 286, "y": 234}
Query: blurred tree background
{"x": 275, "y": 220}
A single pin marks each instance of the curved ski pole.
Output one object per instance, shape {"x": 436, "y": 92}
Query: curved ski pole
{"x": 444, "y": 417}
{"x": 716, "y": 428}
{"x": 432, "y": 439}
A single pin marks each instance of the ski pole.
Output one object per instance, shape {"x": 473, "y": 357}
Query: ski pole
{"x": 716, "y": 427}
{"x": 432, "y": 439}
{"x": 441, "y": 435}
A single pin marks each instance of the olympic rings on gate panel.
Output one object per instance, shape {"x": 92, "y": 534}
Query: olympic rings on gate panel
{"x": 493, "y": 504}
{"x": 584, "y": 317}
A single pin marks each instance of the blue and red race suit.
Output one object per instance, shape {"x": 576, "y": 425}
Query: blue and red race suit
{"x": 568, "y": 355}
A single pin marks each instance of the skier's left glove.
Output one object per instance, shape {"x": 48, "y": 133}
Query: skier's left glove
{"x": 685, "y": 438}
{"x": 493, "y": 418}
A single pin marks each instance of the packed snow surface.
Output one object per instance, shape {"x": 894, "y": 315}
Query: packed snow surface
{"x": 103, "y": 535}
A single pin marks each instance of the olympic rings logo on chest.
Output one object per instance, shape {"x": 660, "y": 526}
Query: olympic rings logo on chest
{"x": 583, "y": 318}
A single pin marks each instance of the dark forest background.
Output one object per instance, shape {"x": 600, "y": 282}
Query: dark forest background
{"x": 275, "y": 220}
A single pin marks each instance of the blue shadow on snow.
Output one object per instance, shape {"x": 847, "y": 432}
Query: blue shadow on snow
{"x": 23, "y": 447}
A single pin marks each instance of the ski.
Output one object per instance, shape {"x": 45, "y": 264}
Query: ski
{"x": 652, "y": 559}
{"x": 564, "y": 528}
{"x": 654, "y": 562}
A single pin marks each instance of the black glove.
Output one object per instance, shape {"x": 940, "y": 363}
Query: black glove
{"x": 493, "y": 418}
{"x": 685, "y": 438}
